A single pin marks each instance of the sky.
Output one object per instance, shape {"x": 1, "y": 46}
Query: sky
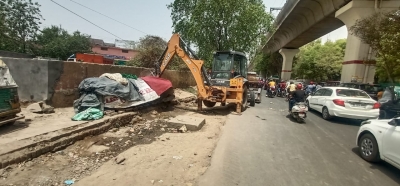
{"x": 143, "y": 16}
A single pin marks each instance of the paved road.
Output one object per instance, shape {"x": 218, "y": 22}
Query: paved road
{"x": 264, "y": 147}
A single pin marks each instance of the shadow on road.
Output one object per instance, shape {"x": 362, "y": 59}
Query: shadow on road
{"x": 342, "y": 121}
{"x": 8, "y": 128}
{"x": 294, "y": 120}
{"x": 387, "y": 169}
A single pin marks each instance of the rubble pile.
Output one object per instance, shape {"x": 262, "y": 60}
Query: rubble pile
{"x": 85, "y": 156}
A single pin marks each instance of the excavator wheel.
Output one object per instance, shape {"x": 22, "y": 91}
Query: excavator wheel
{"x": 209, "y": 103}
{"x": 244, "y": 99}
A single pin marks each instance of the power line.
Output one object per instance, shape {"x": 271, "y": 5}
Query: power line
{"x": 86, "y": 19}
{"x": 109, "y": 17}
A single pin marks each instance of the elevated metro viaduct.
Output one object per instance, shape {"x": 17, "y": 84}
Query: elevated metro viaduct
{"x": 302, "y": 21}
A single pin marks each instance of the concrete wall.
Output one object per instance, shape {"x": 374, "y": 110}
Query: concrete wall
{"x": 56, "y": 82}
{"x": 14, "y": 54}
{"x": 32, "y": 77}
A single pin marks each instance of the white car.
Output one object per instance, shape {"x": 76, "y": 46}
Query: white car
{"x": 343, "y": 102}
{"x": 380, "y": 140}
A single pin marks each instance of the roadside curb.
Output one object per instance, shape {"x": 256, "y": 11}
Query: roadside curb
{"x": 69, "y": 136}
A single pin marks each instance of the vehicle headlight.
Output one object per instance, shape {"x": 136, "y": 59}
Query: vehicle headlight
{"x": 365, "y": 122}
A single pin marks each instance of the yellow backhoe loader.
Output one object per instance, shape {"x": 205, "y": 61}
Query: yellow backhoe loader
{"x": 226, "y": 84}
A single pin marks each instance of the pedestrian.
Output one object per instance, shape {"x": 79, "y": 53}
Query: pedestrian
{"x": 379, "y": 94}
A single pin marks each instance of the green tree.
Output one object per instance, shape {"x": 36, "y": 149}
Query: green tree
{"x": 268, "y": 64}
{"x": 150, "y": 50}
{"x": 19, "y": 24}
{"x": 381, "y": 32}
{"x": 220, "y": 25}
{"x": 320, "y": 62}
{"x": 56, "y": 42}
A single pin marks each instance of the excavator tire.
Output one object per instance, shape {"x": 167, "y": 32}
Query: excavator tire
{"x": 209, "y": 103}
{"x": 244, "y": 99}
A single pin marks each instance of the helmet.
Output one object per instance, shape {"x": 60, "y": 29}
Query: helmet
{"x": 299, "y": 86}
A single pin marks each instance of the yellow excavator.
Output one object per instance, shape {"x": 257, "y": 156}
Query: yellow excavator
{"x": 226, "y": 84}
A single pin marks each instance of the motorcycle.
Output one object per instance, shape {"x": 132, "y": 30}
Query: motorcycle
{"x": 299, "y": 112}
{"x": 271, "y": 92}
{"x": 281, "y": 92}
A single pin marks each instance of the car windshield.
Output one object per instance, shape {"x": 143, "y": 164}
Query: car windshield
{"x": 351, "y": 93}
{"x": 350, "y": 85}
{"x": 222, "y": 62}
{"x": 370, "y": 88}
{"x": 220, "y": 75}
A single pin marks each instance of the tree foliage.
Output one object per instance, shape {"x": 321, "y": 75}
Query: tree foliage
{"x": 381, "y": 32}
{"x": 56, "y": 42}
{"x": 150, "y": 50}
{"x": 220, "y": 25}
{"x": 268, "y": 64}
{"x": 320, "y": 62}
{"x": 19, "y": 24}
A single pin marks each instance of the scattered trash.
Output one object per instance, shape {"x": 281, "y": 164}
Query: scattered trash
{"x": 152, "y": 181}
{"x": 160, "y": 181}
{"x": 40, "y": 107}
{"x": 119, "y": 160}
{"x": 177, "y": 157}
{"x": 183, "y": 129}
{"x": 69, "y": 182}
{"x": 88, "y": 114}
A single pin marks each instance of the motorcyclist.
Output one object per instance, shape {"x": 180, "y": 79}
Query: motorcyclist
{"x": 272, "y": 84}
{"x": 282, "y": 84}
{"x": 310, "y": 88}
{"x": 291, "y": 87}
{"x": 297, "y": 96}
{"x": 318, "y": 86}
{"x": 269, "y": 85}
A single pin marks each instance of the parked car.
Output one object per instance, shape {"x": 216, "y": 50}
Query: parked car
{"x": 371, "y": 89}
{"x": 332, "y": 83}
{"x": 390, "y": 104}
{"x": 380, "y": 140}
{"x": 343, "y": 102}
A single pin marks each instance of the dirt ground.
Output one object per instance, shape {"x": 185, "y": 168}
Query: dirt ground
{"x": 145, "y": 153}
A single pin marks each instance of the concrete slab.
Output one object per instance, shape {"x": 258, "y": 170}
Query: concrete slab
{"x": 192, "y": 123}
{"x": 51, "y": 132}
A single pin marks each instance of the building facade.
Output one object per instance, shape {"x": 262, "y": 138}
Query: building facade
{"x": 111, "y": 51}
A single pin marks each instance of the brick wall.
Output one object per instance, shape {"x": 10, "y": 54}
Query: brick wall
{"x": 65, "y": 88}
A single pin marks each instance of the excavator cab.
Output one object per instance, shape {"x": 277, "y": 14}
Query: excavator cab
{"x": 228, "y": 65}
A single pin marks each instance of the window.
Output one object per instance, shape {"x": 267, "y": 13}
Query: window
{"x": 125, "y": 51}
{"x": 328, "y": 92}
{"x": 351, "y": 93}
{"x": 103, "y": 48}
{"x": 320, "y": 92}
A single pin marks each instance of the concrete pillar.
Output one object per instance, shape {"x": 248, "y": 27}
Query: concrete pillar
{"x": 288, "y": 55}
{"x": 357, "y": 52}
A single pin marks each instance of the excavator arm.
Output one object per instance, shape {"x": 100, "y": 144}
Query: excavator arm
{"x": 176, "y": 46}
